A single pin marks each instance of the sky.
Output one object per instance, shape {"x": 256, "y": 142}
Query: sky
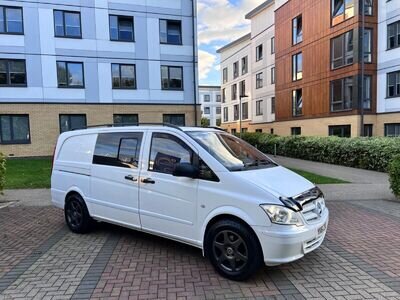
{"x": 219, "y": 22}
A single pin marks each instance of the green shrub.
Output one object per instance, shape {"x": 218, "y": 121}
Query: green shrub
{"x": 2, "y": 172}
{"x": 394, "y": 175}
{"x": 366, "y": 153}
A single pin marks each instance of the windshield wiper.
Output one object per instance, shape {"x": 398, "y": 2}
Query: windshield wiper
{"x": 259, "y": 162}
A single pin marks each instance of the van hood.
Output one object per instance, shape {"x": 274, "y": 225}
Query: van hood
{"x": 279, "y": 181}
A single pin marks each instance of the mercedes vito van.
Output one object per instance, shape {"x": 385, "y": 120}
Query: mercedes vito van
{"x": 199, "y": 186}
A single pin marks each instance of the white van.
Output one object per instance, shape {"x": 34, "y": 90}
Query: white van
{"x": 199, "y": 186}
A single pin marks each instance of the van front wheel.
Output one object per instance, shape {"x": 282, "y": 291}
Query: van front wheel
{"x": 233, "y": 250}
{"x": 77, "y": 215}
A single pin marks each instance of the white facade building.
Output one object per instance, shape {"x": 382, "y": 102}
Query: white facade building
{"x": 210, "y": 100}
{"x": 253, "y": 55}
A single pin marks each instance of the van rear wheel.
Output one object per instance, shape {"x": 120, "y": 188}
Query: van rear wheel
{"x": 77, "y": 215}
{"x": 233, "y": 250}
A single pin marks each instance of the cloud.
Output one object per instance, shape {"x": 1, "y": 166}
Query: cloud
{"x": 206, "y": 63}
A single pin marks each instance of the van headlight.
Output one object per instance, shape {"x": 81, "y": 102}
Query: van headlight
{"x": 282, "y": 215}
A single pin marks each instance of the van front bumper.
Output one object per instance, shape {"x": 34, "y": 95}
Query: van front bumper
{"x": 283, "y": 244}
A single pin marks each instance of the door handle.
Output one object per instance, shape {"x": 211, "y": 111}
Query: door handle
{"x": 148, "y": 180}
{"x": 131, "y": 178}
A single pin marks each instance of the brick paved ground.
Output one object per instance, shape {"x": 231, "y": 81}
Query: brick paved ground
{"x": 41, "y": 259}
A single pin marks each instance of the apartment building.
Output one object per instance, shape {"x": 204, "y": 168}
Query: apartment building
{"x": 248, "y": 75}
{"x": 336, "y": 67}
{"x": 388, "y": 106}
{"x": 65, "y": 65}
{"x": 210, "y": 101}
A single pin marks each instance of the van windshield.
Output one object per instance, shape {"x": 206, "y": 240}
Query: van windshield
{"x": 234, "y": 153}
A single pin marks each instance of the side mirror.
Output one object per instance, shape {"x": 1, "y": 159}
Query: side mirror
{"x": 186, "y": 170}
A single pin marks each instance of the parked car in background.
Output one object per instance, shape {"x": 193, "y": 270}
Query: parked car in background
{"x": 199, "y": 186}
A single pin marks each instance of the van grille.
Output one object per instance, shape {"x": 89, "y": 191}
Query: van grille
{"x": 313, "y": 210}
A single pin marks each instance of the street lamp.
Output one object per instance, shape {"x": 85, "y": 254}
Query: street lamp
{"x": 240, "y": 114}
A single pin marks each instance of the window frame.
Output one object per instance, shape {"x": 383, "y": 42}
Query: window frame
{"x": 342, "y": 16}
{"x": 9, "y": 84}
{"x": 272, "y": 75}
{"x": 242, "y": 88}
{"x": 69, "y": 119}
{"x": 66, "y": 68}
{"x": 344, "y": 52}
{"x": 13, "y": 141}
{"x": 223, "y": 96}
{"x": 120, "y": 77}
{"x": 259, "y": 55}
{"x": 397, "y": 125}
{"x": 370, "y": 53}
{"x": 295, "y": 67}
{"x": 236, "y": 112}
{"x": 245, "y": 65}
{"x": 396, "y": 82}
{"x": 4, "y": 8}
{"x": 259, "y": 108}
{"x": 245, "y": 110}
{"x": 294, "y": 103}
{"x": 396, "y": 36}
{"x": 225, "y": 75}
{"x": 63, "y": 15}
{"x": 175, "y": 115}
{"x": 273, "y": 105}
{"x": 226, "y": 114}
{"x": 180, "y": 31}
{"x": 372, "y": 8}
{"x": 295, "y": 131}
{"x": 259, "y": 80}
{"x": 273, "y": 45}
{"x": 342, "y": 127}
{"x": 235, "y": 70}
{"x": 295, "y": 31}
{"x": 234, "y": 92}
{"x": 169, "y": 78}
{"x": 125, "y": 124}
{"x": 343, "y": 94}
{"x": 133, "y": 28}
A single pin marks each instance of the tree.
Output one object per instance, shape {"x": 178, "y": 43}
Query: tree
{"x": 205, "y": 122}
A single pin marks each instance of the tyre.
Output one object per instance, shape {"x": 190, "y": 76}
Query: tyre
{"x": 233, "y": 250}
{"x": 77, "y": 215}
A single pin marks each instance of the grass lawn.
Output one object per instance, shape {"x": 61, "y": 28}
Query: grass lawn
{"x": 318, "y": 179}
{"x": 28, "y": 173}
{"x": 35, "y": 173}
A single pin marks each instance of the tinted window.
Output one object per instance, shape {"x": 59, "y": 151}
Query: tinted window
{"x": 121, "y": 28}
{"x": 171, "y": 78}
{"x": 14, "y": 129}
{"x": 11, "y": 20}
{"x": 166, "y": 152}
{"x": 174, "y": 119}
{"x": 12, "y": 72}
{"x": 70, "y": 74}
{"x": 67, "y": 24}
{"x": 170, "y": 32}
{"x": 118, "y": 149}
{"x": 72, "y": 122}
{"x": 126, "y": 119}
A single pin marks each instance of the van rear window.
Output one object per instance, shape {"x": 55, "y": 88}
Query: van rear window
{"x": 118, "y": 149}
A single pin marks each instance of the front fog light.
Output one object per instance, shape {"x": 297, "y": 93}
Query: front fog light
{"x": 282, "y": 215}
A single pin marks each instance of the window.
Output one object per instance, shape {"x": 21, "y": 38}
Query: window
{"x": 295, "y": 130}
{"x": 271, "y": 131}
{"x": 272, "y": 105}
{"x": 123, "y": 76}
{"x": 245, "y": 61}
{"x": 166, "y": 152}
{"x": 206, "y": 110}
{"x": 342, "y": 93}
{"x": 171, "y": 78}
{"x": 393, "y": 38}
{"x": 367, "y": 92}
{"x": 70, "y": 74}
{"x": 236, "y": 112}
{"x": 297, "y": 30}
{"x": 272, "y": 45}
{"x": 223, "y": 95}
{"x": 341, "y": 10}
{"x": 170, "y": 32}
{"x": 259, "y": 80}
{"x": 340, "y": 131}
{"x": 14, "y": 129}
{"x": 225, "y": 75}
{"x": 273, "y": 75}
{"x": 259, "y": 108}
{"x": 368, "y": 45}
{"x": 242, "y": 88}
{"x": 259, "y": 52}
{"x": 218, "y": 121}
{"x": 342, "y": 50}
{"x": 259, "y": 130}
{"x": 72, "y": 122}
{"x": 218, "y": 99}
{"x": 297, "y": 64}
{"x": 234, "y": 92}
{"x": 245, "y": 111}
{"x": 368, "y": 130}
{"x": 12, "y": 72}
{"x": 174, "y": 119}
{"x": 235, "y": 69}
{"x": 11, "y": 20}
{"x": 126, "y": 119}
{"x": 118, "y": 149}
{"x": 233, "y": 131}
{"x": 226, "y": 114}
{"x": 368, "y": 7}
{"x": 393, "y": 84}
{"x": 206, "y": 98}
{"x": 121, "y": 28}
{"x": 218, "y": 110}
{"x": 244, "y": 130}
{"x": 392, "y": 130}
{"x": 297, "y": 102}
{"x": 67, "y": 24}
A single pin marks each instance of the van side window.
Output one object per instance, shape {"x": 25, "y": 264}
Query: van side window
{"x": 118, "y": 149}
{"x": 166, "y": 152}
{"x": 205, "y": 172}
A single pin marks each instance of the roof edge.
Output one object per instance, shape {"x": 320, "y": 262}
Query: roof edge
{"x": 235, "y": 42}
{"x": 259, "y": 8}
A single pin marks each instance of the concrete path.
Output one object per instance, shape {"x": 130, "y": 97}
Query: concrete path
{"x": 364, "y": 184}
{"x": 29, "y": 197}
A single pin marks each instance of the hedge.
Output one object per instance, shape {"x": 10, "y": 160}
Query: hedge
{"x": 365, "y": 153}
{"x": 2, "y": 172}
{"x": 394, "y": 175}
